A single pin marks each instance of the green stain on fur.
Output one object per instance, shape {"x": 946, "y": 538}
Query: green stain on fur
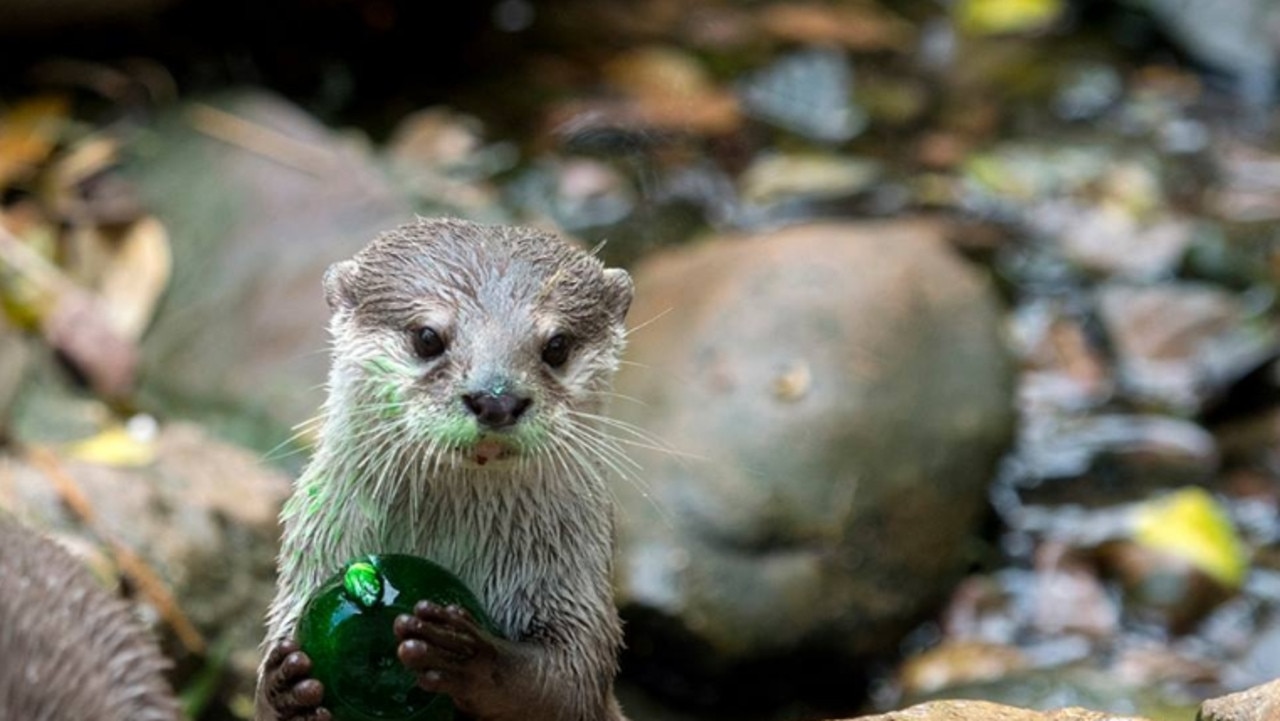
{"x": 384, "y": 380}
{"x": 530, "y": 435}
{"x": 458, "y": 431}
{"x": 316, "y": 498}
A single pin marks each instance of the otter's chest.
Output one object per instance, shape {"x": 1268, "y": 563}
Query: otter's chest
{"x": 512, "y": 546}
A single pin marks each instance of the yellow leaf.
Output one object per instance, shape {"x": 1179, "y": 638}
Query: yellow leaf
{"x": 996, "y": 17}
{"x": 28, "y": 133}
{"x": 115, "y": 446}
{"x": 1191, "y": 525}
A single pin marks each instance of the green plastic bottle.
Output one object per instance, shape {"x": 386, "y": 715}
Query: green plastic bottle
{"x": 347, "y": 628}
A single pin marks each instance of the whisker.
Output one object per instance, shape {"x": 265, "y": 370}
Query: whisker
{"x": 640, "y": 438}
{"x": 646, "y": 323}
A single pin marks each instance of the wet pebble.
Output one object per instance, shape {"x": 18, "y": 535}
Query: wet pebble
{"x": 778, "y": 176}
{"x": 1231, "y": 36}
{"x": 958, "y": 662}
{"x": 1180, "y": 344}
{"x": 1249, "y": 190}
{"x": 1160, "y": 588}
{"x": 1063, "y": 367}
{"x": 808, "y": 92}
{"x": 1087, "y": 90}
{"x": 666, "y": 88}
{"x": 573, "y": 193}
{"x": 1110, "y": 457}
{"x": 1114, "y": 243}
{"x": 1069, "y": 597}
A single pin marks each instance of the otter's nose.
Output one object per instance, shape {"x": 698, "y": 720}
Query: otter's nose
{"x": 496, "y": 410}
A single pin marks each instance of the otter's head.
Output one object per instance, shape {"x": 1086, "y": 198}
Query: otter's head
{"x": 476, "y": 342}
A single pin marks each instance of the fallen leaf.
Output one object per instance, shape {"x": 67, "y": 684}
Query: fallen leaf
{"x": 29, "y": 131}
{"x": 38, "y": 295}
{"x": 1191, "y": 525}
{"x": 115, "y": 447}
{"x": 128, "y": 266}
{"x": 1000, "y": 17}
{"x": 60, "y": 188}
{"x": 959, "y": 662}
{"x": 857, "y": 27}
{"x": 78, "y": 328}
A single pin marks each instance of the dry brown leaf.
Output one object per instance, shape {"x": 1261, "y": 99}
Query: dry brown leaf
{"x": 60, "y": 186}
{"x": 262, "y": 140}
{"x": 29, "y": 284}
{"x": 77, "y": 327}
{"x": 858, "y": 28}
{"x": 135, "y": 275}
{"x": 114, "y": 446}
{"x": 24, "y": 218}
{"x": 29, "y": 131}
{"x": 39, "y": 295}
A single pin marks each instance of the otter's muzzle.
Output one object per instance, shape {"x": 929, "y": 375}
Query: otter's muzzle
{"x": 496, "y": 410}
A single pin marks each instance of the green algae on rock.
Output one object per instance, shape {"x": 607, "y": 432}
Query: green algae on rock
{"x": 347, "y": 629}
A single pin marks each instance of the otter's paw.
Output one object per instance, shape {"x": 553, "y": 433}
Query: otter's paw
{"x": 291, "y": 692}
{"x": 448, "y": 650}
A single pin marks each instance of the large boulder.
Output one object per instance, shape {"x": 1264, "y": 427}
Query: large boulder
{"x": 984, "y": 711}
{"x": 823, "y": 407}
{"x": 258, "y": 198}
{"x": 1260, "y": 703}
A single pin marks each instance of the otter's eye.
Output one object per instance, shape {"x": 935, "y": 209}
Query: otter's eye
{"x": 556, "y": 351}
{"x": 427, "y": 343}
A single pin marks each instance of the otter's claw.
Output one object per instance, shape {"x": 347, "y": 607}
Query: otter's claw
{"x": 292, "y": 693}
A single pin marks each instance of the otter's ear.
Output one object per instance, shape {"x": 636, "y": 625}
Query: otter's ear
{"x": 618, "y": 290}
{"x": 340, "y": 285}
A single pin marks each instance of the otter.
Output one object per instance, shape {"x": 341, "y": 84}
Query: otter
{"x": 69, "y": 650}
{"x": 469, "y": 368}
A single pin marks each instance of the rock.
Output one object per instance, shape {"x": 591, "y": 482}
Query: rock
{"x": 1261, "y": 660}
{"x": 1063, "y": 368}
{"x": 1069, "y": 597}
{"x": 1260, "y": 703}
{"x": 775, "y": 177}
{"x": 985, "y": 711}
{"x": 809, "y": 92}
{"x": 1109, "y": 457}
{"x": 1109, "y": 241}
{"x": 1063, "y": 691}
{"x": 1087, "y": 90}
{"x": 203, "y": 515}
{"x": 780, "y": 189}
{"x": 575, "y": 193}
{"x": 1248, "y": 192}
{"x": 669, "y": 80}
{"x": 1162, "y": 590}
{"x": 958, "y": 662}
{"x": 1230, "y": 36}
{"x": 1182, "y": 344}
{"x": 834, "y": 397}
{"x": 258, "y": 198}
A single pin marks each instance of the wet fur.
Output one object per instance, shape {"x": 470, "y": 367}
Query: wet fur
{"x": 69, "y": 650}
{"x": 532, "y": 536}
